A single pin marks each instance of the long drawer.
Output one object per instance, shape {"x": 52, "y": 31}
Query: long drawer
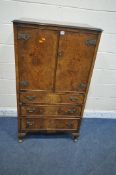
{"x": 69, "y": 110}
{"x": 49, "y": 124}
{"x": 51, "y": 98}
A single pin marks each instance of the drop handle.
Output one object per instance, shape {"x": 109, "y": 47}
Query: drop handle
{"x": 29, "y": 123}
{"x": 73, "y": 99}
{"x": 69, "y": 125}
{"x": 72, "y": 111}
{"x": 30, "y": 98}
{"x": 31, "y": 110}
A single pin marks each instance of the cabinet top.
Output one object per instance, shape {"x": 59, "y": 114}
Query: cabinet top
{"x": 55, "y": 24}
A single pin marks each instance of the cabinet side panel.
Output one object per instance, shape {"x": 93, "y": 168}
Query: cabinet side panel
{"x": 17, "y": 73}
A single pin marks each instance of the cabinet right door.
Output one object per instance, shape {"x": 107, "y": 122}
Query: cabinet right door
{"x": 76, "y": 51}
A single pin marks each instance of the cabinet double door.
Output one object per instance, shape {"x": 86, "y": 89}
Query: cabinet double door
{"x": 54, "y": 60}
{"x": 54, "y": 67}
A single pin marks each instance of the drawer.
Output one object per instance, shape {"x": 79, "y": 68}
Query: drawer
{"x": 51, "y": 110}
{"x": 35, "y": 97}
{"x": 51, "y": 98}
{"x": 49, "y": 124}
{"x": 71, "y": 98}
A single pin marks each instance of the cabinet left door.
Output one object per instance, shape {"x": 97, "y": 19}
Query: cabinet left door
{"x": 37, "y": 51}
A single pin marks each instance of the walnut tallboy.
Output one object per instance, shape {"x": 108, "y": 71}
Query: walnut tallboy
{"x": 54, "y": 65}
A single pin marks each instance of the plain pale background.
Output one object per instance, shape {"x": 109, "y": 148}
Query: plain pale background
{"x": 98, "y": 13}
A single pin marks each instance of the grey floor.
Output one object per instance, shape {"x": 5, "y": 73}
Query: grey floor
{"x": 93, "y": 154}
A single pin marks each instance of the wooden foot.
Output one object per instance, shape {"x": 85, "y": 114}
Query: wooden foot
{"x": 75, "y": 136}
{"x": 21, "y": 136}
{"x": 20, "y": 140}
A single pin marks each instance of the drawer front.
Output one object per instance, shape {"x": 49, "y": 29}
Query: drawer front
{"x": 49, "y": 124}
{"x": 51, "y": 98}
{"x": 51, "y": 110}
{"x": 71, "y": 98}
{"x": 35, "y": 97}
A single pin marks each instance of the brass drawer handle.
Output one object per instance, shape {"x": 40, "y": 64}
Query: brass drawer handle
{"x": 72, "y": 111}
{"x": 30, "y": 98}
{"x": 30, "y": 110}
{"x": 29, "y": 124}
{"x": 73, "y": 98}
{"x": 69, "y": 111}
{"x": 69, "y": 125}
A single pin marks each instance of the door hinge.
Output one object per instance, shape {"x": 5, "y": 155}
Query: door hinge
{"x": 23, "y": 36}
{"x": 24, "y": 83}
{"x": 90, "y": 42}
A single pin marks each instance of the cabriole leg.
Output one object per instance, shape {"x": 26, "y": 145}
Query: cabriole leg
{"x": 21, "y": 136}
{"x": 75, "y": 136}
